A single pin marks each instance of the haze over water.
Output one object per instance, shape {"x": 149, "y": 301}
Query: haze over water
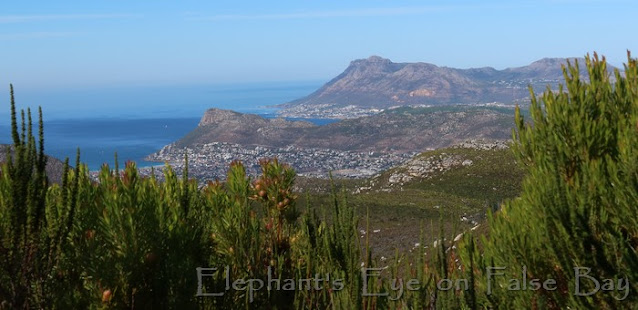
{"x": 136, "y": 121}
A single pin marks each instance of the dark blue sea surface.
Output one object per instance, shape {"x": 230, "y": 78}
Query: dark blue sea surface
{"x": 100, "y": 139}
{"x": 135, "y": 122}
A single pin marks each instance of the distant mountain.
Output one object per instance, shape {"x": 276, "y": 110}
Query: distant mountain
{"x": 54, "y": 167}
{"x": 380, "y": 83}
{"x": 395, "y": 130}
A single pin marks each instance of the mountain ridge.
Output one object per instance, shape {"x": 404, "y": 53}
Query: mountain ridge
{"x": 396, "y": 130}
{"x": 377, "y": 82}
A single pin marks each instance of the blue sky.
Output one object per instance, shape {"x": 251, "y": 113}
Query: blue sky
{"x": 78, "y": 44}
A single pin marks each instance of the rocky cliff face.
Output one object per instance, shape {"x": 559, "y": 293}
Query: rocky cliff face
{"x": 378, "y": 82}
{"x": 231, "y": 120}
{"x": 248, "y": 129}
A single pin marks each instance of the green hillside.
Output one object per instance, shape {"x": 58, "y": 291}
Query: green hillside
{"x": 460, "y": 194}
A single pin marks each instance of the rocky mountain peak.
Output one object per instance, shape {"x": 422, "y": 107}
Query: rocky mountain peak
{"x": 372, "y": 60}
{"x": 213, "y": 116}
{"x": 377, "y": 59}
{"x": 377, "y": 83}
{"x": 371, "y": 66}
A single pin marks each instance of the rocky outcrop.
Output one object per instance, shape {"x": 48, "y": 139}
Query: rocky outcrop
{"x": 426, "y": 167}
{"x": 231, "y": 119}
{"x": 482, "y": 145}
{"x": 219, "y": 125}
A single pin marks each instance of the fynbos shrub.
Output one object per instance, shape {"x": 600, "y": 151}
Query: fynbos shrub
{"x": 577, "y": 212}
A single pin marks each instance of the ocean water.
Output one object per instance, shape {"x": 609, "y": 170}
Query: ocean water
{"x": 137, "y": 121}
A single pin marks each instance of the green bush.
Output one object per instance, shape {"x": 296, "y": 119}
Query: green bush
{"x": 34, "y": 229}
{"x": 579, "y": 200}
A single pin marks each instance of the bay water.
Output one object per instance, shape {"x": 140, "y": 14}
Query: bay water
{"x": 135, "y": 121}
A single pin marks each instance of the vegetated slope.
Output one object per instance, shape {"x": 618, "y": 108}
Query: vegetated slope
{"x": 396, "y": 130}
{"x": 54, "y": 168}
{"x": 380, "y": 83}
{"x": 458, "y": 184}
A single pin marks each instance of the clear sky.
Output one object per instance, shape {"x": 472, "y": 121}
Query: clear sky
{"x": 71, "y": 44}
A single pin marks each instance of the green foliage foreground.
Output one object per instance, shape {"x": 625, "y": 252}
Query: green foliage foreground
{"x": 126, "y": 241}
